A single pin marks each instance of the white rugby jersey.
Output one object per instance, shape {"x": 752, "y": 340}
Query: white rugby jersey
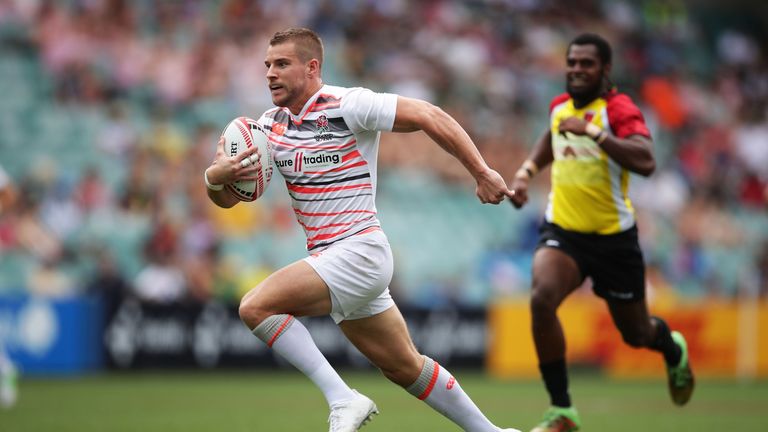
{"x": 327, "y": 156}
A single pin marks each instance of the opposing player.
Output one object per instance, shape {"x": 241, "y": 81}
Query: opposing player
{"x": 325, "y": 145}
{"x": 595, "y": 138}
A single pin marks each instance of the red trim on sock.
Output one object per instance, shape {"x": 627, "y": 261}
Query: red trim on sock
{"x": 279, "y": 330}
{"x": 432, "y": 382}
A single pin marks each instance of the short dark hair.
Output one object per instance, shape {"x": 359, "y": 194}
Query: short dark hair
{"x": 308, "y": 43}
{"x": 602, "y": 45}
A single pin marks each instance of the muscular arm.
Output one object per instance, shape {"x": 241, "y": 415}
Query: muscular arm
{"x": 414, "y": 114}
{"x": 222, "y": 198}
{"x": 541, "y": 153}
{"x": 633, "y": 153}
{"x": 541, "y": 156}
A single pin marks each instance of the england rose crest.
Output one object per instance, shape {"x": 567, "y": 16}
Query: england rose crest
{"x": 321, "y": 125}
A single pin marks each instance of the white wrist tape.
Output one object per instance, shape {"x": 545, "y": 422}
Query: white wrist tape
{"x": 209, "y": 185}
{"x": 593, "y": 130}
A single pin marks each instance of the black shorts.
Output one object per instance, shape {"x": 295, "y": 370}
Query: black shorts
{"x": 614, "y": 261}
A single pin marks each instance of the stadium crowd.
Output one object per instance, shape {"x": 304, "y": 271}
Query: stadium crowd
{"x": 127, "y": 213}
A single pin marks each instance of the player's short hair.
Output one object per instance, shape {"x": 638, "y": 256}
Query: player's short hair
{"x": 308, "y": 43}
{"x": 602, "y": 45}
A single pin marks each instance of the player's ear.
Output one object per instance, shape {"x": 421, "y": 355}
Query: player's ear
{"x": 313, "y": 68}
{"x": 607, "y": 70}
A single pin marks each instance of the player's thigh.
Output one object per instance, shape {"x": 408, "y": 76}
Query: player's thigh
{"x": 384, "y": 340}
{"x": 555, "y": 275}
{"x": 295, "y": 289}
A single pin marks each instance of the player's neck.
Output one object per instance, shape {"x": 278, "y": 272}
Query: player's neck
{"x": 582, "y": 100}
{"x": 313, "y": 88}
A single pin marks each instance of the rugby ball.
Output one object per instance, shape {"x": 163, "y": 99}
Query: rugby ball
{"x": 240, "y": 134}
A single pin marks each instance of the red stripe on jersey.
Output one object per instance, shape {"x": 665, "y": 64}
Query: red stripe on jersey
{"x": 297, "y": 162}
{"x": 327, "y": 105}
{"x": 350, "y": 155}
{"x": 341, "y": 168}
{"x": 365, "y": 231}
{"x": 325, "y": 236}
{"x": 297, "y": 211}
{"x": 331, "y": 225}
{"x": 368, "y": 230}
{"x": 320, "y": 190}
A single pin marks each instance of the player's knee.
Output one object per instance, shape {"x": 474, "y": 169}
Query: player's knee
{"x": 543, "y": 303}
{"x": 403, "y": 373}
{"x": 251, "y": 312}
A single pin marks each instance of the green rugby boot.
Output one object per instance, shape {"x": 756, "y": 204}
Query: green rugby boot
{"x": 681, "y": 379}
{"x": 557, "y": 419}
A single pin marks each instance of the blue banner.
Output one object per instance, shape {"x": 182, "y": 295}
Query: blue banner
{"x": 47, "y": 336}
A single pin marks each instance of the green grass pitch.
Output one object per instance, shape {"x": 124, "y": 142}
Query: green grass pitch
{"x": 286, "y": 401}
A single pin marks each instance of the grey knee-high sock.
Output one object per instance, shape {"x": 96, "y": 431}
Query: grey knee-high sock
{"x": 440, "y": 390}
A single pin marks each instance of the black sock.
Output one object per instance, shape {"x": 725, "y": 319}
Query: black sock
{"x": 556, "y": 380}
{"x": 663, "y": 343}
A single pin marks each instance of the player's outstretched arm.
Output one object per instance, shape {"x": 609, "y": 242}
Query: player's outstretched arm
{"x": 225, "y": 169}
{"x": 540, "y": 156}
{"x": 415, "y": 114}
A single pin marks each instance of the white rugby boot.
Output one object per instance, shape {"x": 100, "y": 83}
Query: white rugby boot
{"x": 351, "y": 415}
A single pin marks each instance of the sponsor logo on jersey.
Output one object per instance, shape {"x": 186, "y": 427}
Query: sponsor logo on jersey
{"x": 309, "y": 162}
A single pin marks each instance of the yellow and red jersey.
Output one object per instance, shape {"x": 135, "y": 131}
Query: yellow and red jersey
{"x": 589, "y": 189}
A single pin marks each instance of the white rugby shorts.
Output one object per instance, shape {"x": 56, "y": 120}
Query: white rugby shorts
{"x": 357, "y": 270}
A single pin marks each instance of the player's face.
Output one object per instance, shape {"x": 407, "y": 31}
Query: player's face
{"x": 286, "y": 75}
{"x": 584, "y": 72}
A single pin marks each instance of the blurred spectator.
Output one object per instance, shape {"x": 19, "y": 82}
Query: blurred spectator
{"x": 160, "y": 282}
{"x": 107, "y": 283}
{"x": 29, "y": 232}
{"x": 133, "y": 79}
{"x": 162, "y": 279}
{"x": 91, "y": 193}
{"x": 117, "y": 136}
{"x": 139, "y": 192}
{"x": 47, "y": 279}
